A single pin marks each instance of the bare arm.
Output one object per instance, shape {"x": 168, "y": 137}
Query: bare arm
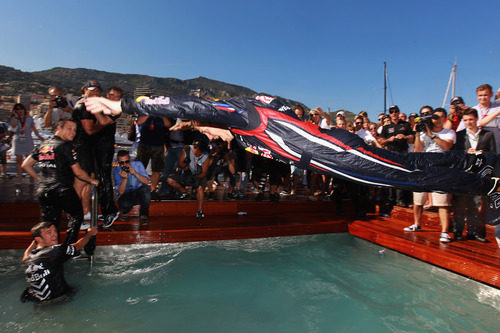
{"x": 85, "y": 239}
{"x": 491, "y": 116}
{"x": 83, "y": 175}
{"x": 28, "y": 166}
{"x": 30, "y": 248}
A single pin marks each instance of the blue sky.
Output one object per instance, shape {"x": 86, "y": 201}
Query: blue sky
{"x": 322, "y": 53}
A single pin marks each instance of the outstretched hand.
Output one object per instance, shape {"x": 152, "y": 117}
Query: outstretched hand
{"x": 104, "y": 105}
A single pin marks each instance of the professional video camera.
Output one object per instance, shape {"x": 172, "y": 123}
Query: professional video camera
{"x": 60, "y": 101}
{"x": 423, "y": 121}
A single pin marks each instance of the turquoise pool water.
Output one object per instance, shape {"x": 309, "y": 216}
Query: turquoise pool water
{"x": 323, "y": 283}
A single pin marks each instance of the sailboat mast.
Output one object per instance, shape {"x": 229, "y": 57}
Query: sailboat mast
{"x": 385, "y": 87}
{"x": 454, "y": 73}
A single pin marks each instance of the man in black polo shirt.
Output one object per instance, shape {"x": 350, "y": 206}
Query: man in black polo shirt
{"x": 395, "y": 137}
{"x": 58, "y": 167}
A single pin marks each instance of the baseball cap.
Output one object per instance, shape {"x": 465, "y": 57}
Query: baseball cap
{"x": 394, "y": 107}
{"x": 314, "y": 111}
{"x": 413, "y": 114}
{"x": 340, "y": 113}
{"x": 91, "y": 85}
{"x": 457, "y": 99}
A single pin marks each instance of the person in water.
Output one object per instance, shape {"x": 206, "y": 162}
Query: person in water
{"x": 45, "y": 263}
{"x": 268, "y": 127}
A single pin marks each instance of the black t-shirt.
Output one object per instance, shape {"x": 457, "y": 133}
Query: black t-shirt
{"x": 55, "y": 158}
{"x": 399, "y": 145}
{"x": 104, "y": 136}
{"x": 45, "y": 271}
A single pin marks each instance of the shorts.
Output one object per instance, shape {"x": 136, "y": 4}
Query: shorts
{"x": 155, "y": 153}
{"x": 3, "y": 157}
{"x": 438, "y": 199}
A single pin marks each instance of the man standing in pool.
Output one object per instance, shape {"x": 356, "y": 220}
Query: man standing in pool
{"x": 45, "y": 260}
{"x": 268, "y": 127}
{"x": 58, "y": 167}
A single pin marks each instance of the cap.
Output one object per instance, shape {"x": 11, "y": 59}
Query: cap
{"x": 413, "y": 115}
{"x": 457, "y": 100}
{"x": 340, "y": 113}
{"x": 394, "y": 107}
{"x": 91, "y": 85}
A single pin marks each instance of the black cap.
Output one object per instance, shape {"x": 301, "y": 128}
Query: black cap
{"x": 457, "y": 100}
{"x": 413, "y": 115}
{"x": 91, "y": 85}
{"x": 394, "y": 107}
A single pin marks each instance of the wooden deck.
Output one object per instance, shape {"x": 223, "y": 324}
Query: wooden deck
{"x": 174, "y": 221}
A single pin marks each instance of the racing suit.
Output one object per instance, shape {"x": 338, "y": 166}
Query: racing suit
{"x": 268, "y": 127}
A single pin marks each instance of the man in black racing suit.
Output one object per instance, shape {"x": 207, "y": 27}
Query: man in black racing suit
{"x": 58, "y": 167}
{"x": 45, "y": 260}
{"x": 268, "y": 127}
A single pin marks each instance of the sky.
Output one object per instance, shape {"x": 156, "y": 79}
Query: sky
{"x": 322, "y": 53}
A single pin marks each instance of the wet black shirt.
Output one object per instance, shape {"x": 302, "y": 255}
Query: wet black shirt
{"x": 104, "y": 136}
{"x": 55, "y": 158}
{"x": 45, "y": 272}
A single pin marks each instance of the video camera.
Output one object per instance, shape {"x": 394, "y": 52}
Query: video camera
{"x": 125, "y": 168}
{"x": 423, "y": 121}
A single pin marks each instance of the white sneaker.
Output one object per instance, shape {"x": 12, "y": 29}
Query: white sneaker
{"x": 445, "y": 238}
{"x": 84, "y": 226}
{"x": 87, "y": 216}
{"x": 413, "y": 228}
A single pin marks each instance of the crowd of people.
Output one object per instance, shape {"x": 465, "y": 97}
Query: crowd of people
{"x": 191, "y": 160}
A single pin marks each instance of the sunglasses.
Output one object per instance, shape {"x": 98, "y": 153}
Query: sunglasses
{"x": 124, "y": 162}
{"x": 393, "y": 111}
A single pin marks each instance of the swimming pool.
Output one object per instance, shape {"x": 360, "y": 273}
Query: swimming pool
{"x": 321, "y": 283}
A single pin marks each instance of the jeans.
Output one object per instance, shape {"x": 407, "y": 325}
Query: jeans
{"x": 140, "y": 196}
{"x": 170, "y": 165}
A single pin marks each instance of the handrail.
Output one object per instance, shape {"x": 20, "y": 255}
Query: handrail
{"x": 93, "y": 222}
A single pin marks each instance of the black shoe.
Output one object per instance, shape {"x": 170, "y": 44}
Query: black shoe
{"x": 110, "y": 219}
{"x": 259, "y": 197}
{"x": 200, "y": 215}
{"x": 183, "y": 196}
{"x": 457, "y": 236}
{"x": 478, "y": 238}
{"x": 144, "y": 219}
{"x": 155, "y": 196}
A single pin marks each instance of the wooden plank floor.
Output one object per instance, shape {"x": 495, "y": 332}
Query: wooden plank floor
{"x": 174, "y": 221}
{"x": 470, "y": 258}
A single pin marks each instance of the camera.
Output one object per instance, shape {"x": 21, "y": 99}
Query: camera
{"x": 125, "y": 168}
{"x": 424, "y": 120}
{"x": 60, "y": 101}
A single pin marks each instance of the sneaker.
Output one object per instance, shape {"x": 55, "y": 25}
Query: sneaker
{"x": 85, "y": 225}
{"x": 413, "y": 228}
{"x": 87, "y": 216}
{"x": 110, "y": 219}
{"x": 183, "y": 196}
{"x": 144, "y": 219}
{"x": 385, "y": 215}
{"x": 200, "y": 215}
{"x": 445, "y": 238}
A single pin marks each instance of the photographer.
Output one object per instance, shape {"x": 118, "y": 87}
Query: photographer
{"x": 59, "y": 108}
{"x": 432, "y": 137}
{"x": 193, "y": 166}
{"x": 457, "y": 107}
{"x": 132, "y": 184}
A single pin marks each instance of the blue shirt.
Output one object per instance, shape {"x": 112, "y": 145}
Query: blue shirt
{"x": 132, "y": 182}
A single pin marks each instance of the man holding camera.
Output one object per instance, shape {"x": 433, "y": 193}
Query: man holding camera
{"x": 454, "y": 121}
{"x": 433, "y": 137}
{"x": 59, "y": 109}
{"x": 132, "y": 184}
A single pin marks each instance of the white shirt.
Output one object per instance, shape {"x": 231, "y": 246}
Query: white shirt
{"x": 483, "y": 112}
{"x": 473, "y": 138}
{"x": 365, "y": 135}
{"x": 430, "y": 146}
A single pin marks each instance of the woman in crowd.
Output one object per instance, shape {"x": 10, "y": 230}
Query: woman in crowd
{"x": 21, "y": 125}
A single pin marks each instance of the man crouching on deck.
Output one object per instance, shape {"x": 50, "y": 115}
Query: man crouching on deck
{"x": 45, "y": 260}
